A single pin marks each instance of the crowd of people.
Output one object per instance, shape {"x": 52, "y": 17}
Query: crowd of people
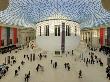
{"x": 39, "y": 67}
{"x": 27, "y": 77}
{"x": 105, "y": 50}
{"x": 108, "y": 71}
{"x": 3, "y": 70}
{"x": 90, "y": 59}
{"x": 9, "y": 49}
{"x": 67, "y": 66}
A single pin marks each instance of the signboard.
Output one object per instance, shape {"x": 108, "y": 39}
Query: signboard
{"x": 101, "y": 36}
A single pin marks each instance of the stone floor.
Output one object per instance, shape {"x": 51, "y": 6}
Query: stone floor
{"x": 92, "y": 73}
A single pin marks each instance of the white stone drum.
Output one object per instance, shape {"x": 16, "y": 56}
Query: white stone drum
{"x": 49, "y": 34}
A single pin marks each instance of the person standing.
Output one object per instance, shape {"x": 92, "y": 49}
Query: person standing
{"x": 68, "y": 68}
{"x": 19, "y": 68}
{"x": 29, "y": 73}
{"x": 16, "y": 72}
{"x": 7, "y": 67}
{"x": 25, "y": 78}
{"x": 24, "y": 55}
{"x": 55, "y": 64}
{"x": 72, "y": 52}
{"x": 40, "y": 56}
{"x": 37, "y": 68}
{"x": 86, "y": 63}
{"x": 84, "y": 59}
{"x": 33, "y": 56}
{"x": 51, "y": 61}
{"x": 28, "y": 58}
{"x": 65, "y": 65}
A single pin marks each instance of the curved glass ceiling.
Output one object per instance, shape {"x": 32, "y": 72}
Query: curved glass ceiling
{"x": 27, "y": 13}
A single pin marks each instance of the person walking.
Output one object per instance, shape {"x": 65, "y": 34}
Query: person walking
{"x": 80, "y": 74}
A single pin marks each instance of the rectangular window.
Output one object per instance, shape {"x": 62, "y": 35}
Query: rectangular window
{"x": 68, "y": 30}
{"x": 40, "y": 30}
{"x": 57, "y": 30}
{"x": 75, "y": 30}
{"x": 47, "y": 30}
{"x": 57, "y": 52}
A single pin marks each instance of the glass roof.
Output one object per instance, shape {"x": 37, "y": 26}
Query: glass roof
{"x": 27, "y": 13}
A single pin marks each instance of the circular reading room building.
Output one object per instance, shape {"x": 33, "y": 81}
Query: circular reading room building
{"x": 57, "y": 34}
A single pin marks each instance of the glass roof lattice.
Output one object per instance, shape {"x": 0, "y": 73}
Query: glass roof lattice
{"x": 27, "y": 13}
